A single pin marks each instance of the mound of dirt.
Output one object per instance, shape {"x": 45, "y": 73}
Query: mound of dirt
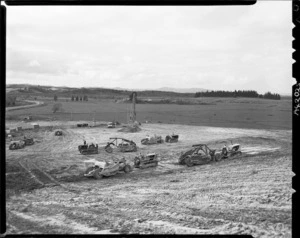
{"x": 130, "y": 128}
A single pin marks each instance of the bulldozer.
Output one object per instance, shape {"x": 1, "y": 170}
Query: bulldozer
{"x": 172, "y": 138}
{"x": 198, "y": 155}
{"x": 86, "y": 149}
{"x": 28, "y": 141}
{"x": 152, "y": 140}
{"x": 96, "y": 169}
{"x": 231, "y": 151}
{"x": 145, "y": 161}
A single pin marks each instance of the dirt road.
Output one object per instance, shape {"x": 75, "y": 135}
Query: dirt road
{"x": 34, "y": 104}
{"x": 246, "y": 195}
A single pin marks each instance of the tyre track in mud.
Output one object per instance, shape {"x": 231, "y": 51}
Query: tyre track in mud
{"x": 167, "y": 199}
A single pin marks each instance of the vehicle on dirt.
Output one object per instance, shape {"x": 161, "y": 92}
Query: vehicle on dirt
{"x": 86, "y": 149}
{"x": 97, "y": 169}
{"x": 28, "y": 141}
{"x": 231, "y": 151}
{"x": 172, "y": 138}
{"x": 152, "y": 140}
{"x": 111, "y": 125}
{"x": 121, "y": 145}
{"x": 145, "y": 161}
{"x": 58, "y": 133}
{"x": 15, "y": 145}
{"x": 82, "y": 125}
{"x": 198, "y": 155}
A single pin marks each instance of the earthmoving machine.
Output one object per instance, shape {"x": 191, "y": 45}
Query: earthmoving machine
{"x": 145, "y": 161}
{"x": 198, "y": 155}
{"x": 111, "y": 125}
{"x": 120, "y": 144}
{"x": 82, "y": 125}
{"x": 15, "y": 145}
{"x": 97, "y": 169}
{"x": 231, "y": 151}
{"x": 58, "y": 133}
{"x": 172, "y": 138}
{"x": 28, "y": 141}
{"x": 86, "y": 149}
{"x": 152, "y": 140}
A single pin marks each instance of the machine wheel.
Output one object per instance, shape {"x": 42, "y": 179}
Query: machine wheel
{"x": 97, "y": 174}
{"x": 188, "y": 161}
{"x": 108, "y": 149}
{"x": 218, "y": 157}
{"x": 137, "y": 162}
{"x": 127, "y": 168}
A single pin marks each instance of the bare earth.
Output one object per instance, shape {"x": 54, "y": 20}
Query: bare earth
{"x": 246, "y": 195}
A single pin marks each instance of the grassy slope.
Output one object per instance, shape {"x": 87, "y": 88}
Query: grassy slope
{"x": 238, "y": 112}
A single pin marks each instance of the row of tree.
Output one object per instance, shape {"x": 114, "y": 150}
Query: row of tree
{"x": 79, "y": 98}
{"x": 75, "y": 98}
{"x": 239, "y": 93}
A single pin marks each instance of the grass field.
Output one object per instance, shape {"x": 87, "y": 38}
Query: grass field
{"x": 221, "y": 112}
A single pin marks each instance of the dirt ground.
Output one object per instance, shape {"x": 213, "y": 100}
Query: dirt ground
{"x": 47, "y": 193}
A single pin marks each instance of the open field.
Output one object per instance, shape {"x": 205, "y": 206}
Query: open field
{"x": 220, "y": 112}
{"x": 46, "y": 192}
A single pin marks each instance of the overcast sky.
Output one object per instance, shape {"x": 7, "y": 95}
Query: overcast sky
{"x": 211, "y": 47}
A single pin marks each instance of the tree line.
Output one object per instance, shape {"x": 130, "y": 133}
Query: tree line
{"x": 239, "y": 93}
{"x": 74, "y": 98}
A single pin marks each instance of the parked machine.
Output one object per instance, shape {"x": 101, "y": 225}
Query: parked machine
{"x": 120, "y": 144}
{"x": 198, "y": 155}
{"x": 28, "y": 141}
{"x": 58, "y": 133}
{"x": 145, "y": 161}
{"x": 15, "y": 145}
{"x": 172, "y": 138}
{"x": 86, "y": 149}
{"x": 97, "y": 169}
{"x": 152, "y": 140}
{"x": 231, "y": 151}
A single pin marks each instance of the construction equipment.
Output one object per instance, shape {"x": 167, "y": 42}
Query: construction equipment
{"x": 86, "y": 149}
{"x": 58, "y": 133}
{"x": 28, "y": 141}
{"x": 145, "y": 161}
{"x": 15, "y": 145}
{"x": 152, "y": 140}
{"x": 172, "y": 138}
{"x": 82, "y": 125}
{"x": 120, "y": 144}
{"x": 111, "y": 125}
{"x": 231, "y": 151}
{"x": 97, "y": 169}
{"x": 198, "y": 155}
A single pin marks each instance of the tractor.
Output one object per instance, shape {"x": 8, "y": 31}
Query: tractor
{"x": 97, "y": 169}
{"x": 58, "y": 133}
{"x": 15, "y": 145}
{"x": 120, "y": 144}
{"x": 86, "y": 149}
{"x": 198, "y": 155}
{"x": 152, "y": 140}
{"x": 145, "y": 161}
{"x": 28, "y": 141}
{"x": 172, "y": 138}
{"x": 231, "y": 151}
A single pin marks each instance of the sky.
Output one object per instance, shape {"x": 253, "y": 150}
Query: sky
{"x": 148, "y": 47}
